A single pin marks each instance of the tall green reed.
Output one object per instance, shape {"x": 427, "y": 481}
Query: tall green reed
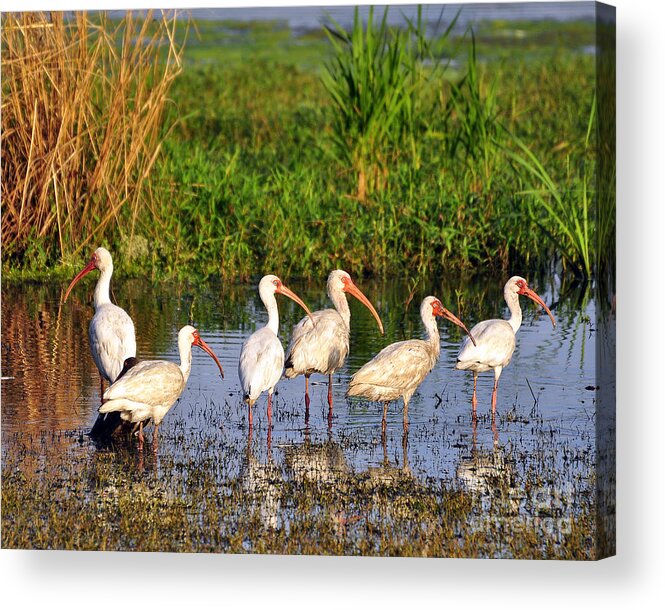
{"x": 376, "y": 82}
{"x": 475, "y": 130}
{"x": 563, "y": 213}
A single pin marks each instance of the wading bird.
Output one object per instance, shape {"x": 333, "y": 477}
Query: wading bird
{"x": 495, "y": 339}
{"x": 398, "y": 370}
{"x": 111, "y": 330}
{"x": 108, "y": 423}
{"x": 321, "y": 344}
{"x": 262, "y": 355}
{"x": 150, "y": 388}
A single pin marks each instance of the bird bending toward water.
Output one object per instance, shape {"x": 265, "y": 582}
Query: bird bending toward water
{"x": 398, "y": 370}
{"x": 320, "y": 344}
{"x": 262, "y": 355}
{"x": 495, "y": 339}
{"x": 150, "y": 388}
{"x": 111, "y": 330}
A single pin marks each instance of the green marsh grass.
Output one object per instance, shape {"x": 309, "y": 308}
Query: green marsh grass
{"x": 248, "y": 177}
{"x": 565, "y": 215}
{"x": 377, "y": 83}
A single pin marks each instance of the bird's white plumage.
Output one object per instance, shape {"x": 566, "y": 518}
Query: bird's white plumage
{"x": 495, "y": 339}
{"x": 319, "y": 347}
{"x": 397, "y": 370}
{"x": 111, "y": 331}
{"x": 322, "y": 345}
{"x": 495, "y": 344}
{"x": 150, "y": 388}
{"x": 112, "y": 339}
{"x": 146, "y": 391}
{"x": 262, "y": 356}
{"x": 261, "y": 363}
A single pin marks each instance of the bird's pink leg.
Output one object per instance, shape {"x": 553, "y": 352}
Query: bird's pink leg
{"x": 250, "y": 418}
{"x": 330, "y": 398}
{"x": 474, "y": 400}
{"x": 406, "y": 417}
{"x": 269, "y": 410}
{"x": 140, "y": 435}
{"x": 496, "y": 385}
{"x": 495, "y": 431}
{"x": 383, "y": 421}
{"x": 330, "y": 402}
{"x": 306, "y": 399}
{"x": 155, "y": 439}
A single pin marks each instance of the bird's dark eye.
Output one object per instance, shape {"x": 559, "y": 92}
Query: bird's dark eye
{"x": 276, "y": 282}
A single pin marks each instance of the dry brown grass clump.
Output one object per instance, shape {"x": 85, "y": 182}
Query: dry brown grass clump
{"x": 83, "y": 100}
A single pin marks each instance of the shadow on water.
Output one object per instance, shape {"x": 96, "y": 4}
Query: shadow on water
{"x": 519, "y": 486}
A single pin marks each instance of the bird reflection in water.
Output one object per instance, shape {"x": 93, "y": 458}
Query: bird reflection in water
{"x": 490, "y": 474}
{"x": 261, "y": 482}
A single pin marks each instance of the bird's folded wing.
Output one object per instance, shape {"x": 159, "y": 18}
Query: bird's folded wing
{"x": 158, "y": 378}
{"x": 494, "y": 338}
{"x": 405, "y": 360}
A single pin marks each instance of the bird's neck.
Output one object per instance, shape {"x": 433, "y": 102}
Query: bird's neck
{"x": 273, "y": 314}
{"x": 103, "y": 287}
{"x": 513, "y": 302}
{"x": 341, "y": 304}
{"x": 432, "y": 331}
{"x": 185, "y": 349}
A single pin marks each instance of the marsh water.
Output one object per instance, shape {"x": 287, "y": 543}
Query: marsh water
{"x": 533, "y": 462}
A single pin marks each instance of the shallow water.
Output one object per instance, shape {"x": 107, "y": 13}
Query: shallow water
{"x": 543, "y": 436}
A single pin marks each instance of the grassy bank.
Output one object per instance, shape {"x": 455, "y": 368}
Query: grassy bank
{"x": 247, "y": 178}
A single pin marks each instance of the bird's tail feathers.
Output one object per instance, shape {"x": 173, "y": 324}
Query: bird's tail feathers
{"x": 463, "y": 365}
{"x": 120, "y": 404}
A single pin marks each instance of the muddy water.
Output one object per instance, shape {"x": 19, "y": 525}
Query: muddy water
{"x": 543, "y": 438}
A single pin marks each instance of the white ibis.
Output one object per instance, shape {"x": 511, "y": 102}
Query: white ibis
{"x": 111, "y": 330}
{"x": 398, "y": 370}
{"x": 106, "y": 426}
{"x": 150, "y": 388}
{"x": 262, "y": 355}
{"x": 495, "y": 339}
{"x": 322, "y": 345}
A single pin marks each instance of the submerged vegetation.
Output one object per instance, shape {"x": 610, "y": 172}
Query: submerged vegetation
{"x": 235, "y": 498}
{"x": 243, "y": 153}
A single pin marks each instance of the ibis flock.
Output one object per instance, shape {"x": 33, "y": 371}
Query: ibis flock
{"x": 143, "y": 391}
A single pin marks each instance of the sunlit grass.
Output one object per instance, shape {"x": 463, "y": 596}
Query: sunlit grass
{"x": 249, "y": 180}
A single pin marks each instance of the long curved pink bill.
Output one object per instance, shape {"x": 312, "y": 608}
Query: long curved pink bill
{"x": 206, "y": 348}
{"x": 355, "y": 291}
{"x": 294, "y": 297}
{"x": 455, "y": 320}
{"x": 534, "y": 297}
{"x": 87, "y": 269}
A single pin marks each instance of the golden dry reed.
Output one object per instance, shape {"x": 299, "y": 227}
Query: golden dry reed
{"x": 83, "y": 99}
